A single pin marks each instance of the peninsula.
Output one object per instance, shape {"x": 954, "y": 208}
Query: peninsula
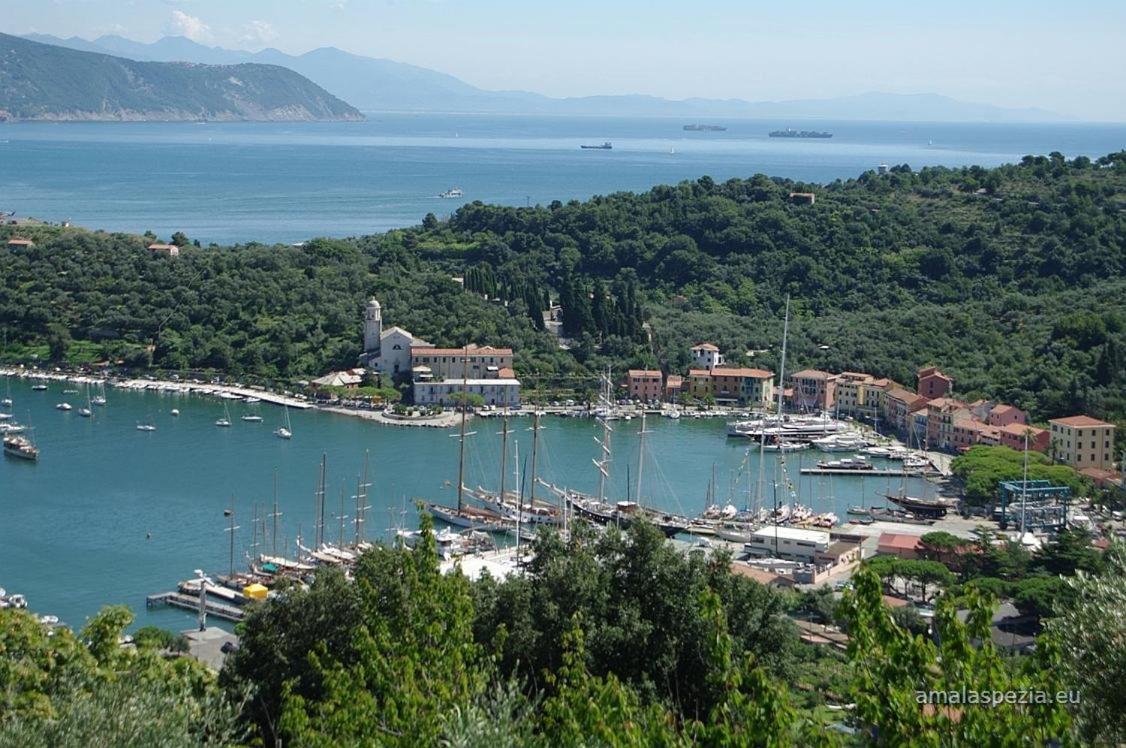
{"x": 42, "y": 82}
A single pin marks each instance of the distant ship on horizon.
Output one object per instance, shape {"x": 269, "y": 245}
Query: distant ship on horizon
{"x": 604, "y": 147}
{"x": 705, "y": 128}
{"x": 790, "y": 133}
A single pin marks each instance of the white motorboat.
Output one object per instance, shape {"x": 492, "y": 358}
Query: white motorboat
{"x": 451, "y": 194}
{"x": 63, "y": 406}
{"x": 146, "y": 427}
{"x": 175, "y": 411}
{"x": 251, "y": 418}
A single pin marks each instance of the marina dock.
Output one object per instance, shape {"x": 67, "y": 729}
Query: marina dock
{"x": 880, "y": 473}
{"x": 191, "y": 602}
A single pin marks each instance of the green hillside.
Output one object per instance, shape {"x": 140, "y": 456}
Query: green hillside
{"x": 1011, "y": 279}
{"x": 45, "y": 82}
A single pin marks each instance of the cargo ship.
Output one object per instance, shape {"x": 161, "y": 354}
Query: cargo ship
{"x": 789, "y": 133}
{"x": 604, "y": 147}
{"x": 705, "y": 128}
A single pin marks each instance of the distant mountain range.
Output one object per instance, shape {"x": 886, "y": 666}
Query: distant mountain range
{"x": 50, "y": 82}
{"x": 373, "y": 84}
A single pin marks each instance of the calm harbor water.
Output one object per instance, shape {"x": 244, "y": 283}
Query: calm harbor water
{"x": 285, "y": 182}
{"x": 111, "y": 514}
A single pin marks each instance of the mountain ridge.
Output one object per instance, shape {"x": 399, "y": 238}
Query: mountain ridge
{"x": 49, "y": 82}
{"x": 379, "y": 84}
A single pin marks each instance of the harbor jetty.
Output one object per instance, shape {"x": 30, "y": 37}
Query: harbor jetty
{"x": 191, "y": 602}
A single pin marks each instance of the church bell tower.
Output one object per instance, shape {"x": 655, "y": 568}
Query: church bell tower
{"x": 373, "y": 328}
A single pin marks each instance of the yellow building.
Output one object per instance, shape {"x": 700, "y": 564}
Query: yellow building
{"x": 1083, "y": 442}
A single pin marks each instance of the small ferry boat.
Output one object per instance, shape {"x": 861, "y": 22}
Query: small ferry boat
{"x": 604, "y": 147}
{"x": 451, "y": 193}
{"x": 20, "y": 447}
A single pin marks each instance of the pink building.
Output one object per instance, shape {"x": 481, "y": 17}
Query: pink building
{"x": 1012, "y": 435}
{"x": 813, "y": 390}
{"x": 933, "y": 383}
{"x": 673, "y": 387}
{"x": 1003, "y": 415}
{"x": 645, "y": 385}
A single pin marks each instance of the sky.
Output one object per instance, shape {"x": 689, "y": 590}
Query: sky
{"x": 1066, "y": 57}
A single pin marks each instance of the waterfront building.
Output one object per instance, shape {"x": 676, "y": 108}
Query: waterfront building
{"x": 1083, "y": 442}
{"x": 387, "y": 351}
{"x": 674, "y": 385}
{"x": 793, "y": 543}
{"x": 348, "y": 379}
{"x": 851, "y": 394}
{"x": 933, "y": 383}
{"x": 813, "y": 390}
{"x": 501, "y": 392}
{"x": 941, "y": 413}
{"x": 645, "y": 385}
{"x": 699, "y": 383}
{"x": 483, "y": 362}
{"x": 1013, "y": 435}
{"x": 743, "y": 386}
{"x": 706, "y": 356}
{"x": 899, "y": 406}
{"x": 1001, "y": 415}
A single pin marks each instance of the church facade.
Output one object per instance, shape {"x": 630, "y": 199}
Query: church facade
{"x": 387, "y": 351}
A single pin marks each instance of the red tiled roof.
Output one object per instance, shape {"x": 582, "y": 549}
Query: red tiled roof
{"x": 644, "y": 373}
{"x": 163, "y": 246}
{"x": 1080, "y": 421}
{"x": 1020, "y": 428}
{"x": 899, "y": 542}
{"x": 928, "y": 371}
{"x": 739, "y": 372}
{"x": 705, "y": 346}
{"x": 506, "y": 373}
{"x": 21, "y": 242}
{"x": 485, "y": 350}
{"x": 699, "y": 373}
{"x": 674, "y": 380}
{"x": 1002, "y": 408}
{"x": 811, "y": 374}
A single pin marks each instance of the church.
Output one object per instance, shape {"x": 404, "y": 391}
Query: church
{"x": 387, "y": 351}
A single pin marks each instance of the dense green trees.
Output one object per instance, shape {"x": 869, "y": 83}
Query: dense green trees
{"x": 1016, "y": 291}
{"x": 983, "y": 468}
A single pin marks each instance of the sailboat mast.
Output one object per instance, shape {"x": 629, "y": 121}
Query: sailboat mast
{"x": 461, "y": 436}
{"x": 274, "y": 537}
{"x": 362, "y": 505}
{"x": 535, "y": 450}
{"x": 640, "y": 455}
{"x": 604, "y": 445}
{"x": 503, "y": 456}
{"x": 340, "y": 541}
{"x": 1024, "y": 487}
{"x": 320, "y": 534}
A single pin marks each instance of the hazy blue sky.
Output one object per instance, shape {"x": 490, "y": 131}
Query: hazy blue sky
{"x": 1064, "y": 56}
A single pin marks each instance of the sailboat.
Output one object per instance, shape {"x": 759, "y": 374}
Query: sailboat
{"x": 100, "y": 398}
{"x": 225, "y": 421}
{"x": 88, "y": 410}
{"x": 7, "y": 401}
{"x": 597, "y": 509}
{"x": 284, "y": 432}
{"x": 509, "y": 504}
{"x": 464, "y": 516}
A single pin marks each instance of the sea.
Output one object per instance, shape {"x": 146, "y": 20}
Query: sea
{"x": 288, "y": 182}
{"x": 111, "y": 514}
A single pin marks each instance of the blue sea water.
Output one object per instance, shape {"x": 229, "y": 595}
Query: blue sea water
{"x": 286, "y": 182}
{"x": 111, "y": 514}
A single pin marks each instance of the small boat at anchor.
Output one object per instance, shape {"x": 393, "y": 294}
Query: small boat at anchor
{"x": 20, "y": 447}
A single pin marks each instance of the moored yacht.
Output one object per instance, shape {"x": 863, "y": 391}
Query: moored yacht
{"x": 20, "y": 447}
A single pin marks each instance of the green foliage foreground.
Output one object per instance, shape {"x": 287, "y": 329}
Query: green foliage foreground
{"x": 646, "y": 647}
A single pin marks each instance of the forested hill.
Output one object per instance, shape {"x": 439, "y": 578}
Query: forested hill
{"x": 45, "y": 82}
{"x": 1011, "y": 279}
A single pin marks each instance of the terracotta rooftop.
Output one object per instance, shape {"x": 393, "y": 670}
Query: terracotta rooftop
{"x": 811, "y": 374}
{"x": 644, "y": 373}
{"x": 1002, "y": 408}
{"x": 1020, "y": 428}
{"x": 705, "y": 346}
{"x": 699, "y": 373}
{"x": 899, "y": 542}
{"x": 485, "y": 350}
{"x": 1079, "y": 421}
{"x": 739, "y": 372}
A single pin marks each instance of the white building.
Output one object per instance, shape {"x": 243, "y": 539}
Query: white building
{"x": 387, "y": 351}
{"x": 706, "y": 356}
{"x": 793, "y": 543}
{"x": 503, "y": 393}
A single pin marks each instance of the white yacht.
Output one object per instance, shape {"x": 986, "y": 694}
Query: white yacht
{"x": 451, "y": 193}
